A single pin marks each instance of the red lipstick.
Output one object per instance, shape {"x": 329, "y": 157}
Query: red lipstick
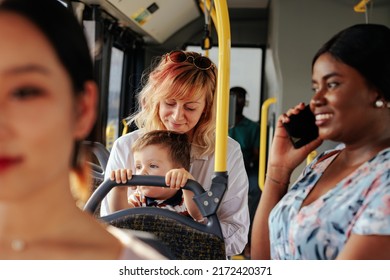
{"x": 8, "y": 162}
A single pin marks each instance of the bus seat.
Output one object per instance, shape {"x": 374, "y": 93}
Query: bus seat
{"x": 99, "y": 162}
{"x": 186, "y": 238}
{"x": 153, "y": 242}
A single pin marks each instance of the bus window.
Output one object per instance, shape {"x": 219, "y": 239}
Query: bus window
{"x": 246, "y": 71}
{"x": 114, "y": 90}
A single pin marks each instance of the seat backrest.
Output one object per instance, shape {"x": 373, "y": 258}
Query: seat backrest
{"x": 99, "y": 162}
{"x": 151, "y": 240}
{"x": 186, "y": 238}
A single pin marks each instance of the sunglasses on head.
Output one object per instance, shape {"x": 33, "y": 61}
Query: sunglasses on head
{"x": 200, "y": 62}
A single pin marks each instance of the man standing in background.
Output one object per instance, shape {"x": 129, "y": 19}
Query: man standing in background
{"x": 247, "y": 133}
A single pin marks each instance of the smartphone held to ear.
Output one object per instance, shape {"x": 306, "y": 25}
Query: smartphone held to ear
{"x": 302, "y": 128}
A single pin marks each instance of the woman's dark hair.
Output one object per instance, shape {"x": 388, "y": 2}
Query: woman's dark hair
{"x": 64, "y": 33}
{"x": 366, "y": 48}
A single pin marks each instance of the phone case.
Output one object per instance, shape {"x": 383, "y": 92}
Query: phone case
{"x": 302, "y": 128}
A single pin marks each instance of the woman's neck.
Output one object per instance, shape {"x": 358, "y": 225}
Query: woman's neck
{"x": 355, "y": 154}
{"x": 29, "y": 216}
{"x": 55, "y": 230}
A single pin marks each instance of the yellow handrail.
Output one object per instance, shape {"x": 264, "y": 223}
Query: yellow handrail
{"x": 263, "y": 140}
{"x": 311, "y": 156}
{"x": 361, "y": 6}
{"x": 223, "y": 81}
{"x": 125, "y": 127}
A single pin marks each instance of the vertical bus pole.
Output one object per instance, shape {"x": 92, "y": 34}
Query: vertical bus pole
{"x": 263, "y": 140}
{"x": 223, "y": 82}
{"x": 220, "y": 180}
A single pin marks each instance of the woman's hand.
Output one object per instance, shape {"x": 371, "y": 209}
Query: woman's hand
{"x": 284, "y": 157}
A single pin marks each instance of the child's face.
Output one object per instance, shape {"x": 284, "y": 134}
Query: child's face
{"x": 154, "y": 160}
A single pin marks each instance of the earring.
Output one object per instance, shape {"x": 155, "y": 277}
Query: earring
{"x": 379, "y": 103}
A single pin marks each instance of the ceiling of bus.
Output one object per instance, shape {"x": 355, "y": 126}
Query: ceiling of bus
{"x": 145, "y": 16}
{"x": 257, "y": 4}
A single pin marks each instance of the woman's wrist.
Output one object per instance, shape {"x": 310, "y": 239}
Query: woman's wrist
{"x": 277, "y": 182}
{"x": 279, "y": 176}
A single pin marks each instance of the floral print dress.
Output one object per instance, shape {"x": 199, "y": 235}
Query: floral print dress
{"x": 359, "y": 204}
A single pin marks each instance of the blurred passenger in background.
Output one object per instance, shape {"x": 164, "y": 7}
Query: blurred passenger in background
{"x": 247, "y": 133}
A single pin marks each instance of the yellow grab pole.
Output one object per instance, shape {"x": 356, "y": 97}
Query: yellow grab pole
{"x": 125, "y": 127}
{"x": 263, "y": 140}
{"x": 223, "y": 82}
